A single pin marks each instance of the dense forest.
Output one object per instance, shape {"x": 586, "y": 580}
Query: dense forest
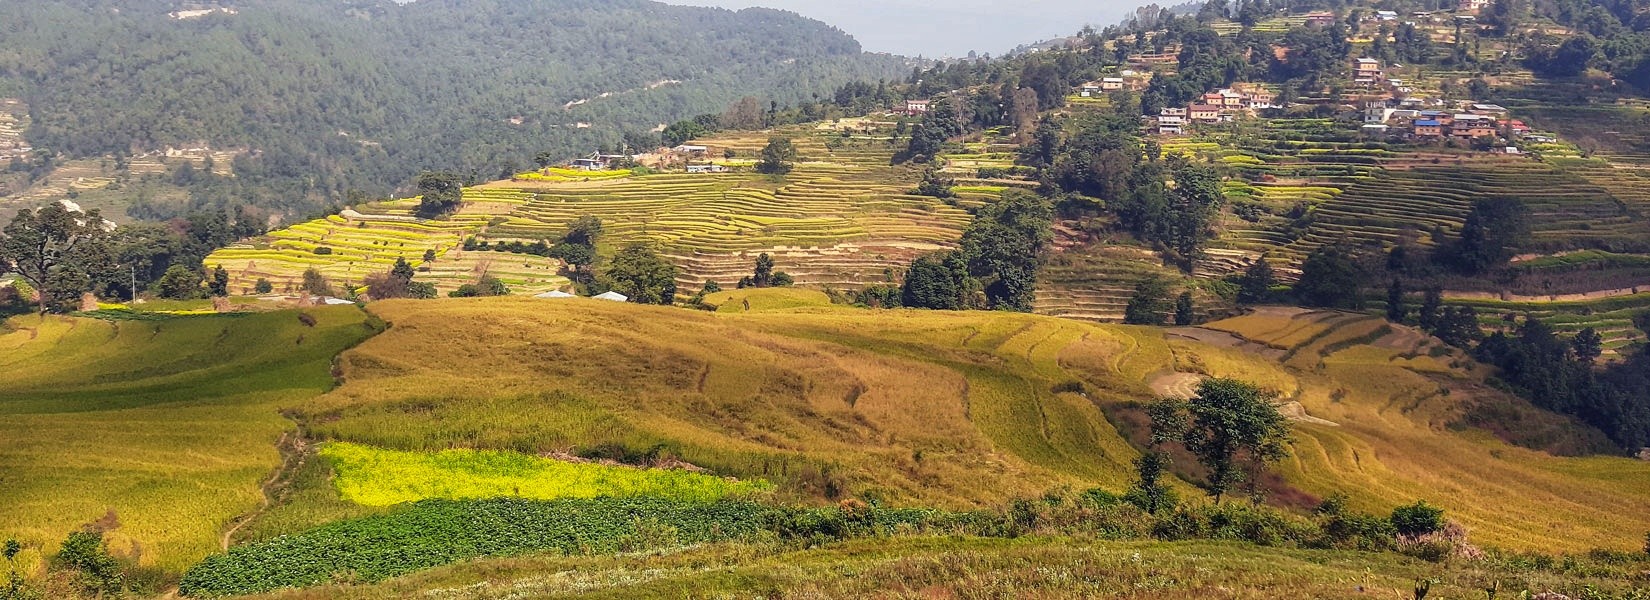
{"x": 355, "y": 97}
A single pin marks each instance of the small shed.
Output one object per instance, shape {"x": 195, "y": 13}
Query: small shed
{"x": 553, "y": 294}
{"x": 614, "y": 296}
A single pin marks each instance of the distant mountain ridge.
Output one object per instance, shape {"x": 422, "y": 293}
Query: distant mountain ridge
{"x": 334, "y": 96}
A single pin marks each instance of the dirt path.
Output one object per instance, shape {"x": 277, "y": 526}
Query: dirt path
{"x": 293, "y": 453}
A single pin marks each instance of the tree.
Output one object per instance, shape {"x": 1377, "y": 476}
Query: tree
{"x": 263, "y": 286}
{"x": 316, "y": 284}
{"x": 1488, "y": 238}
{"x": 1419, "y": 518}
{"x": 639, "y": 272}
{"x": 429, "y": 255}
{"x": 396, "y": 283}
{"x": 1233, "y": 429}
{"x": 1330, "y": 278}
{"x": 51, "y": 248}
{"x": 1183, "y": 309}
{"x": 935, "y": 185}
{"x": 421, "y": 290}
{"x": 1256, "y": 285}
{"x": 777, "y": 157}
{"x": 1194, "y": 203}
{"x": 402, "y": 270}
{"x": 442, "y": 193}
{"x": 219, "y": 286}
{"x": 1588, "y": 345}
{"x": 384, "y": 285}
{"x": 681, "y": 132}
{"x": 1395, "y": 309}
{"x": 179, "y": 283}
{"x": 544, "y": 159}
{"x": 1150, "y": 304}
{"x": 1432, "y": 301}
{"x": 763, "y": 276}
{"x": 577, "y": 247}
{"x": 1149, "y": 493}
{"x": 1003, "y": 245}
{"x": 935, "y": 281}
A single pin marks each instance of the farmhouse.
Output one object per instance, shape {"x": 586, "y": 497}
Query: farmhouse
{"x": 1171, "y": 125}
{"x": 1386, "y": 15}
{"x": 1320, "y": 19}
{"x": 707, "y": 169}
{"x": 1366, "y": 70}
{"x": 1472, "y": 5}
{"x": 598, "y": 162}
{"x": 916, "y": 107}
{"x": 1089, "y": 90}
{"x": 1428, "y": 128}
{"x": 1474, "y": 126}
{"x": 689, "y": 149}
{"x": 1111, "y": 84}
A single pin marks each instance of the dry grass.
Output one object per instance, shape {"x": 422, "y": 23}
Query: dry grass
{"x": 947, "y": 409}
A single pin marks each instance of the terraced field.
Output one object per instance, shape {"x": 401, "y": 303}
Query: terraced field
{"x": 1566, "y": 211}
{"x": 971, "y": 391}
{"x": 1095, "y": 283}
{"x": 1612, "y": 317}
{"x": 842, "y": 218}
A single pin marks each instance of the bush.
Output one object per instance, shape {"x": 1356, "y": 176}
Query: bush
{"x": 1416, "y": 519}
{"x": 263, "y": 286}
{"x": 323, "y": 250}
{"x": 96, "y": 572}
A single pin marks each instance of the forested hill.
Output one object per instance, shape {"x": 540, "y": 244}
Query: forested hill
{"x": 340, "y": 95}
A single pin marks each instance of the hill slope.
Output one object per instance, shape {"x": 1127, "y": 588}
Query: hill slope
{"x": 161, "y": 430}
{"x": 960, "y": 409}
{"x": 327, "y": 97}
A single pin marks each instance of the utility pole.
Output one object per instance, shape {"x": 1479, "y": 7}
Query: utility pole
{"x": 134, "y": 283}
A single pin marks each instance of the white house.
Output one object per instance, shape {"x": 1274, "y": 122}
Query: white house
{"x": 707, "y": 169}
{"x": 613, "y": 296}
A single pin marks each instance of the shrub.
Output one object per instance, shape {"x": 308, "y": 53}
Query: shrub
{"x": 96, "y": 572}
{"x": 323, "y": 250}
{"x": 1072, "y": 386}
{"x": 263, "y": 286}
{"x": 1416, "y": 519}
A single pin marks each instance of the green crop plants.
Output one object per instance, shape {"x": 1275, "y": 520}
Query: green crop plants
{"x": 380, "y": 477}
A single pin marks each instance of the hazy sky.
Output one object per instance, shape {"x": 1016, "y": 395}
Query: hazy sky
{"x": 947, "y": 27}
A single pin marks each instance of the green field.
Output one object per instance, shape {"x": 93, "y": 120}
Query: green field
{"x": 377, "y": 477}
{"x": 163, "y": 429}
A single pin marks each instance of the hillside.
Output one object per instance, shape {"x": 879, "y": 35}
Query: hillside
{"x": 161, "y": 428}
{"x": 952, "y": 410}
{"x": 843, "y": 218}
{"x": 319, "y": 100}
